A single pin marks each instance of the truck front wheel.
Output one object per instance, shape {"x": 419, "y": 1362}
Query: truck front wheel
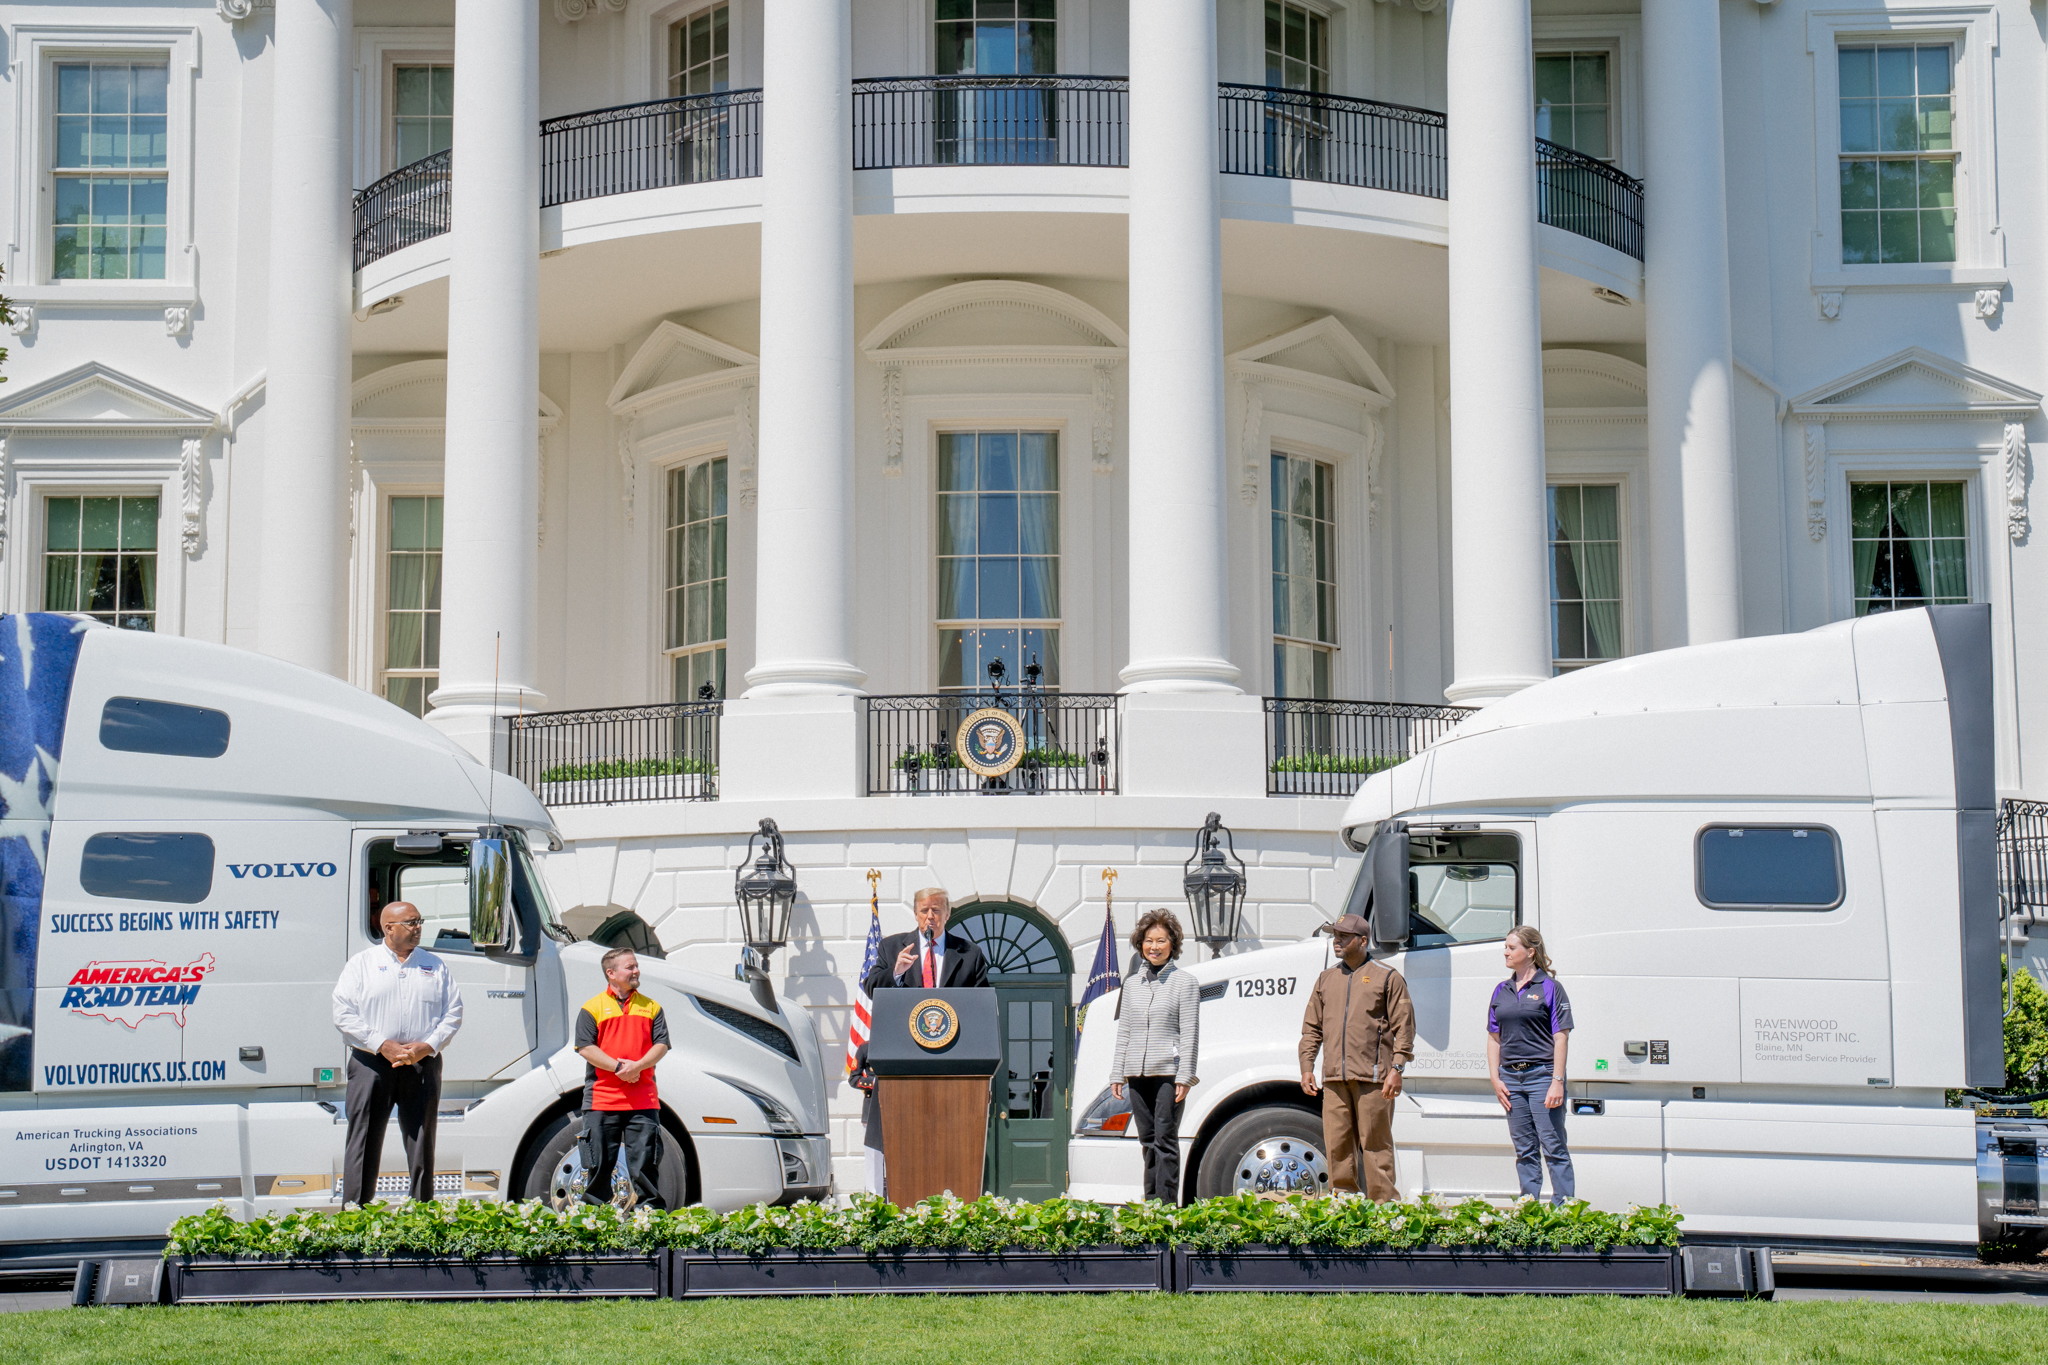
{"x": 558, "y": 1170}
{"x": 1278, "y": 1148}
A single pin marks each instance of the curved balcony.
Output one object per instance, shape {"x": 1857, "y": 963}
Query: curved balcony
{"x": 936, "y": 121}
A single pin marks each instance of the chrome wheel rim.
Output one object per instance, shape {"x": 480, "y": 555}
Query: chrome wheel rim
{"x": 1281, "y": 1165}
{"x": 570, "y": 1178}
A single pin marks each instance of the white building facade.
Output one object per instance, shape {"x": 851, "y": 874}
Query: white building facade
{"x": 702, "y": 398}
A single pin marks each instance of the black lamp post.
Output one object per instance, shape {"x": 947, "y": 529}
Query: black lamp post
{"x": 766, "y": 891}
{"x": 1214, "y": 882}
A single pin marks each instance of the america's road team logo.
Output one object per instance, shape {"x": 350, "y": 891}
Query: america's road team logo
{"x": 130, "y": 992}
{"x": 933, "y": 1024}
{"x": 990, "y": 742}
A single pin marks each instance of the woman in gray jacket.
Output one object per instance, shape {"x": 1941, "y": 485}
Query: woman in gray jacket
{"x": 1158, "y": 1030}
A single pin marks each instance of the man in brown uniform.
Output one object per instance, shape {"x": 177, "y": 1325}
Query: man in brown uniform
{"x": 1360, "y": 1016}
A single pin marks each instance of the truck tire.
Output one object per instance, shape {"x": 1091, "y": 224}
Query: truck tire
{"x": 558, "y": 1170}
{"x": 1278, "y": 1148}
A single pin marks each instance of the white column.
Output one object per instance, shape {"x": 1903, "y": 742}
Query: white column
{"x": 804, "y": 611}
{"x": 305, "y": 405}
{"x": 1178, "y": 619}
{"x": 1695, "y": 587}
{"x": 1500, "y": 597}
{"x": 489, "y": 573}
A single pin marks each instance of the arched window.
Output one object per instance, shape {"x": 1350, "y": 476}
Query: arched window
{"x": 1017, "y": 941}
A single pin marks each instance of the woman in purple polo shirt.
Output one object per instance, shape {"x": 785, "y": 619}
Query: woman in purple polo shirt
{"x": 1528, "y": 1025}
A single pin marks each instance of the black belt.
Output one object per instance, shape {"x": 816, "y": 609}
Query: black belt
{"x": 1521, "y": 1066}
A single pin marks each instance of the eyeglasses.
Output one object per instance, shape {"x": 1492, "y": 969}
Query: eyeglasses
{"x": 407, "y": 923}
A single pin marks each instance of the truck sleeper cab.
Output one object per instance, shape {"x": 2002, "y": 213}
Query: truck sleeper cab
{"x": 1765, "y": 870}
{"x": 196, "y": 840}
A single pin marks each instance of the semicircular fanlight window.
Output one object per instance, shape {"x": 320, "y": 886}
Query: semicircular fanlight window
{"x": 1013, "y": 945}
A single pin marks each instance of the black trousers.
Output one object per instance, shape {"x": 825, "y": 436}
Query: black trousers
{"x": 375, "y": 1087}
{"x": 1157, "y": 1114}
{"x": 627, "y": 1137}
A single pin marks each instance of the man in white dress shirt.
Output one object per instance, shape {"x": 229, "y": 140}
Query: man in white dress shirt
{"x": 398, "y": 1006}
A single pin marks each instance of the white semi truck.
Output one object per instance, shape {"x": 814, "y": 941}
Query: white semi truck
{"x": 1766, "y": 871}
{"x": 195, "y": 840}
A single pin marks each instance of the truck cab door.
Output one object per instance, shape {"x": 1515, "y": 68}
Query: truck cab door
{"x": 499, "y": 1025}
{"x": 1469, "y": 885}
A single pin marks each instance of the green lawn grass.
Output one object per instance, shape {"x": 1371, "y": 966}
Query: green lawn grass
{"x": 1057, "y": 1330}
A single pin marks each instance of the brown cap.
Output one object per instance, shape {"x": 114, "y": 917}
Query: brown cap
{"x": 1354, "y": 925}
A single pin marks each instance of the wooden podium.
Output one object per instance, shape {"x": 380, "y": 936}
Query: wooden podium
{"x": 933, "y": 1052}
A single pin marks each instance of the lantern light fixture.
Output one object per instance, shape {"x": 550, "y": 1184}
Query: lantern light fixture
{"x": 1214, "y": 882}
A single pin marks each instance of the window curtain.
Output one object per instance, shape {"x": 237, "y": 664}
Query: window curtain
{"x": 1590, "y": 527}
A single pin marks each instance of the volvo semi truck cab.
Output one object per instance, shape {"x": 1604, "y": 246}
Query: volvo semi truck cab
{"x": 1766, "y": 871}
{"x": 195, "y": 840}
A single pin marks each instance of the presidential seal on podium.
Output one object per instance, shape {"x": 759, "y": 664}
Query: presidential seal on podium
{"x": 990, "y": 742}
{"x": 933, "y": 1024}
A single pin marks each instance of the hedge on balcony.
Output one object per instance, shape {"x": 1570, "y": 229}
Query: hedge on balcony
{"x": 1033, "y": 758}
{"x": 471, "y": 1230}
{"x": 1363, "y": 764}
{"x": 627, "y": 767}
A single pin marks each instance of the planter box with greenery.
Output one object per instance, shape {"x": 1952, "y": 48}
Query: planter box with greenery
{"x": 942, "y": 1245}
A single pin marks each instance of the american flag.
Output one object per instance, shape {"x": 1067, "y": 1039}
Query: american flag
{"x": 863, "y": 1005}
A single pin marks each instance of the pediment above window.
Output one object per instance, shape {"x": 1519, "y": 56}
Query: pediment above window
{"x": 414, "y": 396}
{"x": 96, "y": 398}
{"x": 1579, "y": 382}
{"x": 1322, "y": 356}
{"x": 983, "y": 321}
{"x": 678, "y": 362}
{"x": 1915, "y": 383}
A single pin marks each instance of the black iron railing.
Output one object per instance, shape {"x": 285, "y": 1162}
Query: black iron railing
{"x": 692, "y": 140}
{"x": 2023, "y": 858}
{"x": 409, "y": 205}
{"x": 665, "y": 752}
{"x": 991, "y": 121}
{"x": 1329, "y": 748}
{"x": 1303, "y": 135}
{"x": 1070, "y": 743}
{"x": 1589, "y": 197}
{"x": 902, "y": 122}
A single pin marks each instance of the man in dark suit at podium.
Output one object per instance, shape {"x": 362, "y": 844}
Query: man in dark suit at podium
{"x": 928, "y": 956}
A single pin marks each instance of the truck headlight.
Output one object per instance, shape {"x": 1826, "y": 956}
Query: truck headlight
{"x": 779, "y": 1119}
{"x": 1107, "y": 1117}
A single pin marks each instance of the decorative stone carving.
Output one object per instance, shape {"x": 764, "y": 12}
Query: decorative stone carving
{"x": 355, "y": 486}
{"x": 23, "y": 320}
{"x": 191, "y": 490}
{"x": 627, "y": 434}
{"x": 235, "y": 11}
{"x": 177, "y": 320}
{"x": 2016, "y": 456}
{"x": 1816, "y": 442}
{"x": 745, "y": 442}
{"x": 569, "y": 11}
{"x": 1103, "y": 419}
{"x": 1829, "y": 301}
{"x": 540, "y": 499}
{"x": 1375, "y": 442}
{"x": 6, "y": 486}
{"x": 1249, "y": 455}
{"x": 1989, "y": 301}
{"x": 892, "y": 420}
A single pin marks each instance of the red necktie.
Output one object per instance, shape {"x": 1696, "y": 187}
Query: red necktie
{"x": 929, "y": 981}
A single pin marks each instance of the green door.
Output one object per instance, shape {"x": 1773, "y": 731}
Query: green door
{"x": 1031, "y": 1113}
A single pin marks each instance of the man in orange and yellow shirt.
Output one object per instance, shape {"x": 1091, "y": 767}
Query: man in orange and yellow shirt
{"x": 621, "y": 1034}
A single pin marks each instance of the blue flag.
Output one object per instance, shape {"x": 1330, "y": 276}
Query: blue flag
{"x": 1102, "y": 977}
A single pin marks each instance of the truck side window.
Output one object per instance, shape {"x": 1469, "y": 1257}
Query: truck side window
{"x": 1769, "y": 867}
{"x": 137, "y": 725}
{"x": 177, "y": 868}
{"x": 1464, "y": 887}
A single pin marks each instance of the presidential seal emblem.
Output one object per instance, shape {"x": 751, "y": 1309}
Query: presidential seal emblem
{"x": 990, "y": 742}
{"x": 933, "y": 1024}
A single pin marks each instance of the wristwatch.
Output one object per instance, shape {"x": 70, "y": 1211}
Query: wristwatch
{"x": 1401, "y": 1067}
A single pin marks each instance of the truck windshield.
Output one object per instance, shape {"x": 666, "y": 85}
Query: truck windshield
{"x": 1462, "y": 887}
{"x": 530, "y": 884}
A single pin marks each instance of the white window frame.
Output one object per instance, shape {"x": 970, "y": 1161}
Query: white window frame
{"x": 381, "y": 493}
{"x": 1629, "y": 591}
{"x": 1976, "y": 470}
{"x": 658, "y": 498}
{"x": 1353, "y": 663}
{"x": 1972, "y": 31}
{"x": 1335, "y": 647}
{"x": 913, "y": 539}
{"x": 37, "y": 49}
{"x": 1336, "y": 12}
{"x": 39, "y": 477}
{"x": 1620, "y": 36}
{"x": 933, "y": 622}
{"x": 1629, "y": 471}
{"x": 647, "y": 23}
{"x": 378, "y": 50}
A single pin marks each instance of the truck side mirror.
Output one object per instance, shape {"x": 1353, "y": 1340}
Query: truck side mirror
{"x": 1388, "y": 856}
{"x": 490, "y": 894}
